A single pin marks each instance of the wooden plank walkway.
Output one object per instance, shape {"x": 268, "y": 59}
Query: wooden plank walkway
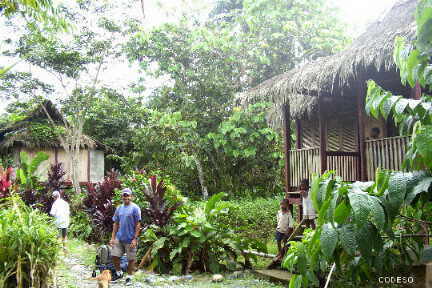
{"x": 274, "y": 275}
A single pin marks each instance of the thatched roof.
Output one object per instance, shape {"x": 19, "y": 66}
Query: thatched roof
{"x": 21, "y": 132}
{"x": 368, "y": 57}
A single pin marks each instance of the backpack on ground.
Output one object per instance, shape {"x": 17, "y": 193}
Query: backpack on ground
{"x": 103, "y": 255}
{"x": 104, "y": 260}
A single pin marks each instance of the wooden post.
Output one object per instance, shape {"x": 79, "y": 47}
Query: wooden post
{"x": 323, "y": 136}
{"x": 56, "y": 155}
{"x": 88, "y": 164}
{"x": 298, "y": 134}
{"x": 287, "y": 148}
{"x": 361, "y": 90}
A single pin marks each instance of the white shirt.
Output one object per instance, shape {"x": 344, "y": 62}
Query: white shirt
{"x": 308, "y": 208}
{"x": 284, "y": 221}
{"x": 60, "y": 210}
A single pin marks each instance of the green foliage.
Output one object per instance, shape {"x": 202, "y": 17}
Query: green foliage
{"x": 196, "y": 240}
{"x": 28, "y": 246}
{"x": 251, "y": 218}
{"x": 26, "y": 173}
{"x": 81, "y": 225}
{"x": 414, "y": 117}
{"x": 240, "y": 135}
{"x": 362, "y": 234}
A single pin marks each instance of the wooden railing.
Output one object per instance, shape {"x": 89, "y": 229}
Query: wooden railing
{"x": 386, "y": 153}
{"x": 303, "y": 163}
{"x": 345, "y": 164}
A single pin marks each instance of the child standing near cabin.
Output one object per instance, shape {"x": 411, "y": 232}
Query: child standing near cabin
{"x": 285, "y": 224}
{"x": 309, "y": 214}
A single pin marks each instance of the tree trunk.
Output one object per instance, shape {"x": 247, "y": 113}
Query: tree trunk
{"x": 201, "y": 177}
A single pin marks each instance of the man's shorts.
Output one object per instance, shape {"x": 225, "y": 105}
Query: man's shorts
{"x": 119, "y": 248}
{"x": 62, "y": 232}
{"x": 280, "y": 236}
{"x": 309, "y": 217}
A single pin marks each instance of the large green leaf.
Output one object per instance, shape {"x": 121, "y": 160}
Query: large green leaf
{"x": 396, "y": 193}
{"x": 37, "y": 160}
{"x": 329, "y": 239}
{"x": 347, "y": 238}
{"x": 423, "y": 186}
{"x": 211, "y": 203}
{"x": 359, "y": 201}
{"x": 423, "y": 142}
{"x": 341, "y": 212}
{"x": 377, "y": 212}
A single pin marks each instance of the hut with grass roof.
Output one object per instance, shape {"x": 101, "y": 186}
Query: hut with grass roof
{"x": 36, "y": 132}
{"x": 325, "y": 99}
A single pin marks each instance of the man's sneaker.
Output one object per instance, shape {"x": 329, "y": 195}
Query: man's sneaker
{"x": 116, "y": 276}
{"x": 128, "y": 281}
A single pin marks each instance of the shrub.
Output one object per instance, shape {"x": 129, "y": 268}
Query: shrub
{"x": 252, "y": 218}
{"x": 81, "y": 226}
{"x": 196, "y": 241}
{"x": 98, "y": 204}
{"x": 28, "y": 246}
{"x": 55, "y": 177}
{"x": 5, "y": 181}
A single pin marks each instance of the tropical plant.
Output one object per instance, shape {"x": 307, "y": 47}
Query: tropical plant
{"x": 28, "y": 246}
{"x": 195, "y": 241}
{"x": 55, "y": 177}
{"x": 251, "y": 218}
{"x": 158, "y": 212}
{"x": 98, "y": 204}
{"x": 358, "y": 228}
{"x": 28, "y": 167}
{"x": 5, "y": 181}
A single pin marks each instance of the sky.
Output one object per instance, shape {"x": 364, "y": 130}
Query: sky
{"x": 357, "y": 14}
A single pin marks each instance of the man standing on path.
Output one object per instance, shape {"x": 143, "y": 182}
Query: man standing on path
{"x": 60, "y": 210}
{"x": 124, "y": 239}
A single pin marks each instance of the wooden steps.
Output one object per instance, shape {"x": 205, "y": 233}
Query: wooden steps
{"x": 274, "y": 275}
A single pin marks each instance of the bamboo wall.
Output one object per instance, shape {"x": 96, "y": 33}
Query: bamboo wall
{"x": 344, "y": 166}
{"x": 303, "y": 163}
{"x": 386, "y": 153}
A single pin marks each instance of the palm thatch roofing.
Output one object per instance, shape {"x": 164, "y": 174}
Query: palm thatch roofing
{"x": 22, "y": 132}
{"x": 370, "y": 56}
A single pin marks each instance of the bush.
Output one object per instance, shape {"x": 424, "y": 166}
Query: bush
{"x": 99, "y": 206}
{"x": 81, "y": 226}
{"x": 252, "y": 218}
{"x": 28, "y": 245}
{"x": 196, "y": 241}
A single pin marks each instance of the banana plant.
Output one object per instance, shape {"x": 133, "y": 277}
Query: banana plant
{"x": 26, "y": 173}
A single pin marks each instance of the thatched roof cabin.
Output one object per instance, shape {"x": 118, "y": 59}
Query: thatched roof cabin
{"x": 25, "y": 131}
{"x": 34, "y": 133}
{"x": 370, "y": 56}
{"x": 326, "y": 99}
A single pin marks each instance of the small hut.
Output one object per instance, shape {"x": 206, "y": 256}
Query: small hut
{"x": 326, "y": 99}
{"x": 34, "y": 133}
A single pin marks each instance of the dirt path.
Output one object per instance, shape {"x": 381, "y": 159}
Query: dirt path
{"x": 75, "y": 268}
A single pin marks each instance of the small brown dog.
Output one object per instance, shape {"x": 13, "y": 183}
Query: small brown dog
{"x": 103, "y": 279}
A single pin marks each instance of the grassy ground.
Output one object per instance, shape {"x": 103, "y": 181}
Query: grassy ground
{"x": 75, "y": 268}
{"x": 262, "y": 263}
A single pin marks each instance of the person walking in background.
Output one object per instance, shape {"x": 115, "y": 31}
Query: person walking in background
{"x": 124, "y": 238}
{"x": 309, "y": 214}
{"x": 61, "y": 211}
{"x": 285, "y": 224}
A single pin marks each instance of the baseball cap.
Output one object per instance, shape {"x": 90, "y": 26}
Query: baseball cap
{"x": 56, "y": 193}
{"x": 127, "y": 191}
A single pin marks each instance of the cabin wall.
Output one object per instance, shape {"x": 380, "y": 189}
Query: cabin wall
{"x": 341, "y": 133}
{"x": 96, "y": 163}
